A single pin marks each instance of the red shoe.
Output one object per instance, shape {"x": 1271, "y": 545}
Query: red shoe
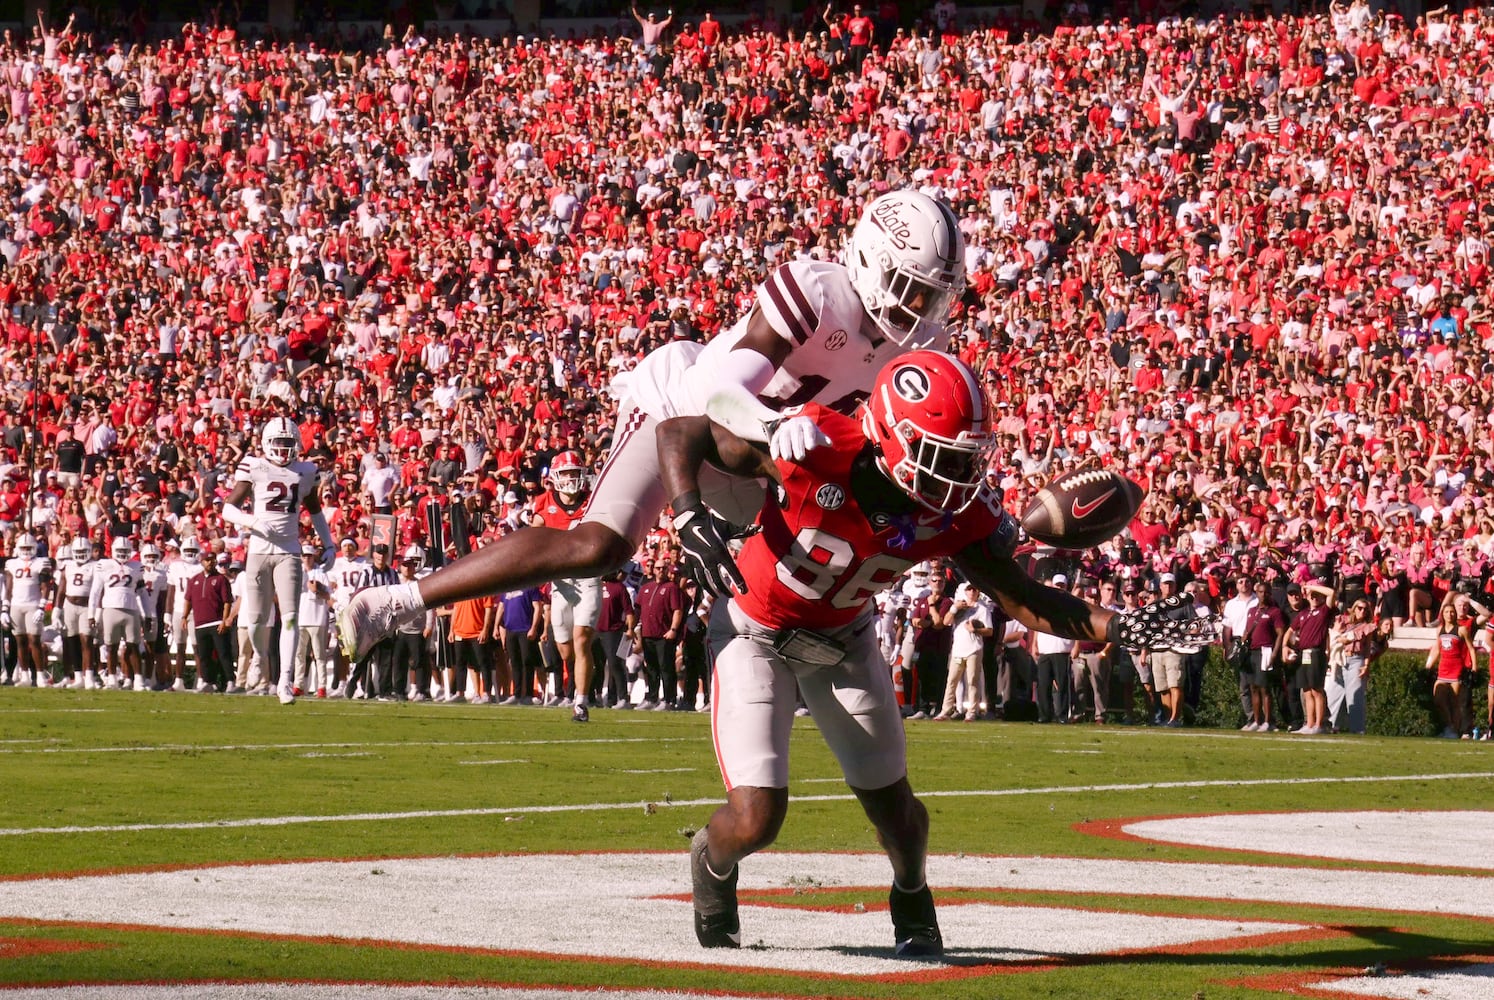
{"x": 298, "y": 692}
{"x": 321, "y": 692}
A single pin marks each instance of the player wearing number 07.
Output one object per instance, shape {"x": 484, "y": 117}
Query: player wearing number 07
{"x": 904, "y": 483}
{"x": 277, "y": 487}
{"x": 817, "y": 332}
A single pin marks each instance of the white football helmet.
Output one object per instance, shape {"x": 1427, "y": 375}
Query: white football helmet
{"x": 414, "y": 557}
{"x": 906, "y": 260}
{"x": 81, "y": 550}
{"x": 26, "y": 547}
{"x": 281, "y": 440}
{"x": 121, "y": 549}
{"x": 191, "y": 551}
{"x": 149, "y": 554}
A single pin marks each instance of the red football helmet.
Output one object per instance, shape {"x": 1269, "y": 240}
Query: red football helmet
{"x": 927, "y": 417}
{"x": 568, "y": 474}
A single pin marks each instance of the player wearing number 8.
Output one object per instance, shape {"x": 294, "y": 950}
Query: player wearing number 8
{"x": 903, "y": 484}
{"x": 277, "y": 487}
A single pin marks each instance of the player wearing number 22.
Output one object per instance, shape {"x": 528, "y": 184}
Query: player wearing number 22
{"x": 278, "y": 487}
{"x": 904, "y": 483}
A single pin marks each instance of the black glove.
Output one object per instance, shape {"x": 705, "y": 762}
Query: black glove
{"x": 703, "y": 536}
{"x": 1163, "y": 624}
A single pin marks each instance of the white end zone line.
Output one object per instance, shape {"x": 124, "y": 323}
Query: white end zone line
{"x": 254, "y": 821}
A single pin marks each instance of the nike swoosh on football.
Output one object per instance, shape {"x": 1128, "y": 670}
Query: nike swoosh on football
{"x": 1083, "y": 510}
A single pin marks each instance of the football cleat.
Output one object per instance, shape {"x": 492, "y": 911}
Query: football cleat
{"x": 580, "y": 714}
{"x": 716, "y": 923}
{"x": 915, "y": 925}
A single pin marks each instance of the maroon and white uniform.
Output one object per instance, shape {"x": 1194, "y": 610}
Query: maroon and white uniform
{"x": 816, "y": 565}
{"x": 835, "y": 354}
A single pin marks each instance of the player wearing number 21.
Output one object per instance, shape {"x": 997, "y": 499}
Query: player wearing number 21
{"x": 903, "y": 483}
{"x": 278, "y": 487}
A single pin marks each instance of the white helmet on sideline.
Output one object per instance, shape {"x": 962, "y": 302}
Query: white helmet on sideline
{"x": 121, "y": 549}
{"x": 81, "y": 549}
{"x": 149, "y": 554}
{"x": 906, "y": 260}
{"x": 26, "y": 547}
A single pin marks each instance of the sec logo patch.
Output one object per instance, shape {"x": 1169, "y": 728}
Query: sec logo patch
{"x": 830, "y": 496}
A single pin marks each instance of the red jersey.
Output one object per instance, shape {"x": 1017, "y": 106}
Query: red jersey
{"x": 550, "y": 512}
{"x": 819, "y": 558}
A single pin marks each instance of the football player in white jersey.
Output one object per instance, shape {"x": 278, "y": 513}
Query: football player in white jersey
{"x": 819, "y": 331}
{"x": 350, "y": 574}
{"x": 117, "y": 602}
{"x": 153, "y": 582}
{"x": 75, "y": 582}
{"x": 28, "y": 585}
{"x": 279, "y": 487}
{"x": 314, "y": 614}
{"x": 178, "y": 572}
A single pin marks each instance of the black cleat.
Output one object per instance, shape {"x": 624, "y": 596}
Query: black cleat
{"x": 915, "y": 925}
{"x": 580, "y": 714}
{"x": 716, "y": 924}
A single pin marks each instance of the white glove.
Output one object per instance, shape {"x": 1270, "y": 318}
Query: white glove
{"x": 38, "y": 618}
{"x": 795, "y": 438}
{"x": 329, "y": 556}
{"x": 5, "y": 621}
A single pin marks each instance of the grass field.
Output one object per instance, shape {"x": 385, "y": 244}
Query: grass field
{"x": 233, "y": 840}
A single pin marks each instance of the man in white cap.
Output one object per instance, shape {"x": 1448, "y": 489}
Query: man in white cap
{"x": 1053, "y": 657}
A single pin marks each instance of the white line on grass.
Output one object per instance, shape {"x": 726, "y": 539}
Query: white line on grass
{"x": 658, "y": 770}
{"x": 177, "y": 747}
{"x": 253, "y": 821}
{"x": 516, "y": 760}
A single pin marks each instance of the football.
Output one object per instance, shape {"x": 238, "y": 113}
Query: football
{"x": 1081, "y": 509}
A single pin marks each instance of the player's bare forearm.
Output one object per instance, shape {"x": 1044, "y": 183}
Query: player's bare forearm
{"x": 1039, "y": 607}
{"x": 687, "y": 442}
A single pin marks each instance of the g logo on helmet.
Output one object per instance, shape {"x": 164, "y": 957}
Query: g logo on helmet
{"x": 911, "y": 383}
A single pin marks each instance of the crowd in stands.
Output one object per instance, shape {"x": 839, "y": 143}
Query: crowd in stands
{"x": 1241, "y": 259}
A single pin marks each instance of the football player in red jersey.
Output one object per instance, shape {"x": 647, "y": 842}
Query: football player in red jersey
{"x": 575, "y": 604}
{"x": 903, "y": 484}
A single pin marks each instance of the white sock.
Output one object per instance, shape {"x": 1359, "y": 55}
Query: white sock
{"x": 290, "y": 638}
{"x": 407, "y": 595}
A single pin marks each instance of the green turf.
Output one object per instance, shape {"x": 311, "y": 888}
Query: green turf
{"x": 66, "y": 760}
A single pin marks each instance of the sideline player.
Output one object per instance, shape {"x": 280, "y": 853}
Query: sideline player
{"x": 153, "y": 582}
{"x": 117, "y": 601}
{"x": 819, "y": 332}
{"x": 179, "y": 572}
{"x": 76, "y": 582}
{"x": 279, "y": 487}
{"x": 28, "y": 584}
{"x": 575, "y": 603}
{"x": 905, "y": 483}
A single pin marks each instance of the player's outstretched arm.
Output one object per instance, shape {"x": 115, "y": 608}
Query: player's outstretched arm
{"x": 684, "y": 443}
{"x": 1039, "y": 607}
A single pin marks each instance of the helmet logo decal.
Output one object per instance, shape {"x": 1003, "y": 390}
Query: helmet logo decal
{"x": 911, "y": 383}
{"x": 899, "y": 233}
{"x": 836, "y": 340}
